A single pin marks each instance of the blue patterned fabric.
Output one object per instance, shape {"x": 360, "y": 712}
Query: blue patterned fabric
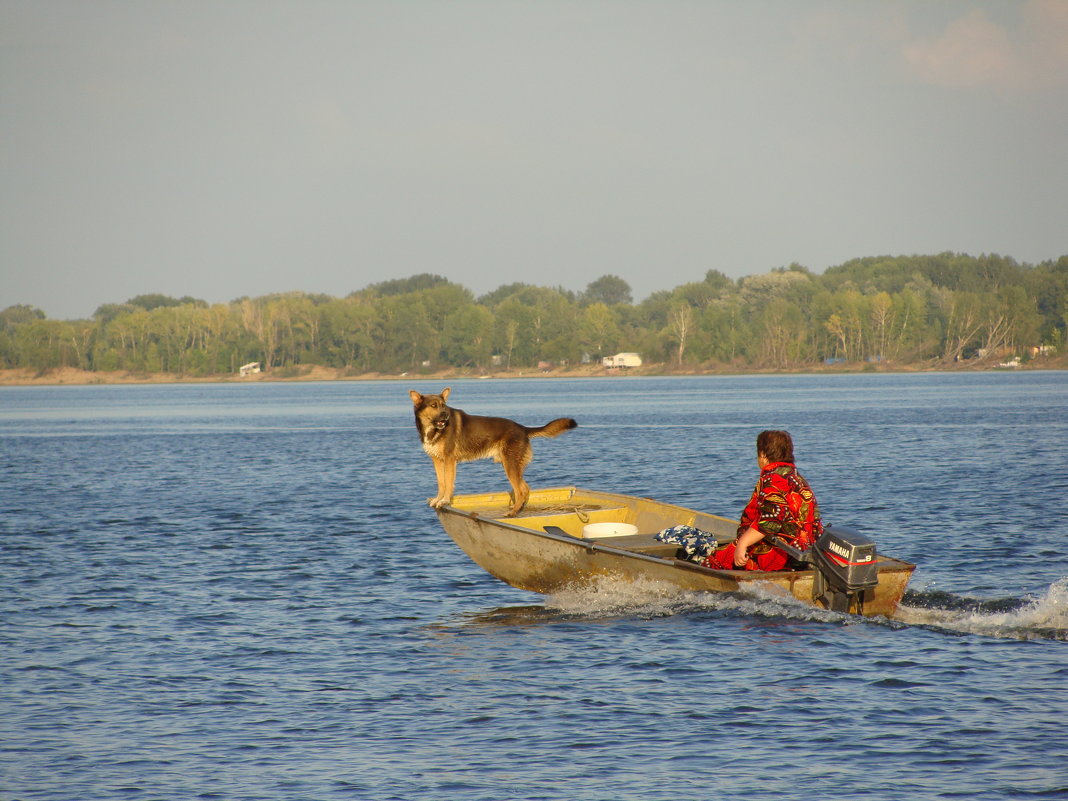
{"x": 697, "y": 544}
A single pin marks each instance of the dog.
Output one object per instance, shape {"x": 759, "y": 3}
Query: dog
{"x": 450, "y": 436}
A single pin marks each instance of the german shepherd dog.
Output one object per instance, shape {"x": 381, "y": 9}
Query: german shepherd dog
{"x": 450, "y": 436}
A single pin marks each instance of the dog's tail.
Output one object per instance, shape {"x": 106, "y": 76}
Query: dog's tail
{"x": 553, "y": 428}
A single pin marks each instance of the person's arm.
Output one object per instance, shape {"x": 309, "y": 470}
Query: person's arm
{"x": 747, "y": 539}
{"x": 749, "y": 513}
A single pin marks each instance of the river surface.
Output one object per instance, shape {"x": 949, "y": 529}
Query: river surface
{"x": 236, "y": 591}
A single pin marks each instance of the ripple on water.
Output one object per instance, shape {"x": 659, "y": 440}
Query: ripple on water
{"x": 239, "y": 593}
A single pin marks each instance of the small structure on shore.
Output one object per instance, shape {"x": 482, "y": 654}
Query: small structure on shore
{"x": 622, "y": 360}
{"x": 250, "y": 368}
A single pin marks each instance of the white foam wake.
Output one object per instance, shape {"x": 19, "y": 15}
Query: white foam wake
{"x": 1045, "y": 617}
{"x": 610, "y": 596}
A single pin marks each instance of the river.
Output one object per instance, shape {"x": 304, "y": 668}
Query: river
{"x": 231, "y": 591}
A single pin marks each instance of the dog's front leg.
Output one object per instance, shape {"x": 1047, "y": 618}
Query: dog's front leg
{"x": 446, "y": 484}
{"x": 439, "y": 472}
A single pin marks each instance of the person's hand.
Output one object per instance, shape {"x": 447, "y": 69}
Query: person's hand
{"x": 740, "y": 557}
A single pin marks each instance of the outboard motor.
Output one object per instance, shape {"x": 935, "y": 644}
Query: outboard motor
{"x": 845, "y": 565}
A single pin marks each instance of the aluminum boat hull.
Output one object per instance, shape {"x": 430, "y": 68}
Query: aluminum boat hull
{"x": 543, "y": 549}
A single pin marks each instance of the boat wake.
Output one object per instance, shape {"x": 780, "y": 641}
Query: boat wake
{"x": 1042, "y": 618}
{"x": 610, "y": 598}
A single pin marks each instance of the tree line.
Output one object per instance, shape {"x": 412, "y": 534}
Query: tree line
{"x": 903, "y": 310}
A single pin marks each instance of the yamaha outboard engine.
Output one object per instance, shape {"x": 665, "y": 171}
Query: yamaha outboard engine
{"x": 845, "y": 565}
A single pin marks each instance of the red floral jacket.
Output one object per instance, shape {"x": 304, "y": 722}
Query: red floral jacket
{"x": 783, "y": 505}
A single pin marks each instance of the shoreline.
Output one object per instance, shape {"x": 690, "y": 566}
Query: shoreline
{"x": 69, "y": 376}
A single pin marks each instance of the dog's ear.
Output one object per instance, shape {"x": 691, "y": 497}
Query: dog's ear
{"x": 445, "y": 393}
{"x": 415, "y": 396}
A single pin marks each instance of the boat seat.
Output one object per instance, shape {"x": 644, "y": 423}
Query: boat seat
{"x": 642, "y": 543}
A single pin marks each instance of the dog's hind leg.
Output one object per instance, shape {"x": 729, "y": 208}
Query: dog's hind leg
{"x": 513, "y": 468}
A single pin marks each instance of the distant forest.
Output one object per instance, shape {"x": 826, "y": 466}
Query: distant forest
{"x": 906, "y": 310}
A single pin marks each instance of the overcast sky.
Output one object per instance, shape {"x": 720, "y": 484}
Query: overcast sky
{"x": 242, "y": 147}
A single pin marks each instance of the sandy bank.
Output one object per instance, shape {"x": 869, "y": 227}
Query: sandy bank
{"x": 72, "y": 376}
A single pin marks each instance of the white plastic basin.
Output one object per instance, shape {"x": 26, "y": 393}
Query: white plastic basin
{"x": 596, "y": 531}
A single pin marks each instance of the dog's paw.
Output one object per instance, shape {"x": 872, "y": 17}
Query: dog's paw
{"x": 437, "y": 503}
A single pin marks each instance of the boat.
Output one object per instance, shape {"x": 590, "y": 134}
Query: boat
{"x": 555, "y": 544}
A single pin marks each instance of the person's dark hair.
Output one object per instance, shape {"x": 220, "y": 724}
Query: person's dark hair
{"x": 777, "y": 446}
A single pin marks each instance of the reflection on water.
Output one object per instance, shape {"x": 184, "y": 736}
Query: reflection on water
{"x": 510, "y": 616}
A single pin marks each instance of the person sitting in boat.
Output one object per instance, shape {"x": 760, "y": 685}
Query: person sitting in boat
{"x": 782, "y": 505}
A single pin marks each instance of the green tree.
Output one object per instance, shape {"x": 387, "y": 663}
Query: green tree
{"x": 680, "y": 328}
{"x": 783, "y": 337}
{"x": 348, "y": 333}
{"x": 611, "y": 290}
{"x": 442, "y": 301}
{"x": 846, "y": 316}
{"x": 598, "y": 329}
{"x": 718, "y": 281}
{"x": 468, "y": 336}
{"x": 912, "y": 336}
{"x": 1010, "y": 322}
{"x": 1048, "y": 285}
{"x": 406, "y": 286}
{"x": 503, "y": 293}
{"x": 728, "y": 330}
{"x": 155, "y": 301}
{"x": 963, "y": 314}
{"x": 902, "y": 308}
{"x": 515, "y": 329}
{"x": 556, "y": 328}
{"x": 14, "y": 316}
{"x": 405, "y": 339}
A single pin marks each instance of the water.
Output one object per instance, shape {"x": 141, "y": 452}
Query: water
{"x": 237, "y": 592}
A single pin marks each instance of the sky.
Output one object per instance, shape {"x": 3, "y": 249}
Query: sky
{"x": 222, "y": 149}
